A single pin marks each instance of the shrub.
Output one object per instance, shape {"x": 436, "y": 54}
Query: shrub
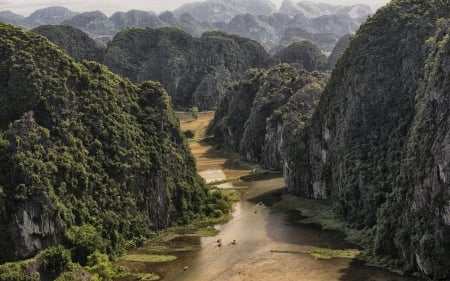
{"x": 55, "y": 259}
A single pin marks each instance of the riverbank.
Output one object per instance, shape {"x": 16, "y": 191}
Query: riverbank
{"x": 271, "y": 236}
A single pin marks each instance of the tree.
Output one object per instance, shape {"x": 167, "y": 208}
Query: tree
{"x": 85, "y": 240}
{"x": 194, "y": 112}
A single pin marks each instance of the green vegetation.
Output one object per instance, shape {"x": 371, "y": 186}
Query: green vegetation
{"x": 149, "y": 258}
{"x": 18, "y": 272}
{"x": 325, "y": 254}
{"x": 205, "y": 232}
{"x": 147, "y": 277}
{"x": 303, "y": 55}
{"x": 194, "y": 112}
{"x": 338, "y": 50}
{"x": 87, "y": 160}
{"x": 55, "y": 259}
{"x": 73, "y": 41}
{"x": 195, "y": 71}
{"x": 265, "y": 101}
{"x": 102, "y": 268}
{"x": 376, "y": 144}
{"x": 189, "y": 134}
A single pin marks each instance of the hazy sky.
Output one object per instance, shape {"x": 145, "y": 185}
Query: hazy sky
{"x": 25, "y": 7}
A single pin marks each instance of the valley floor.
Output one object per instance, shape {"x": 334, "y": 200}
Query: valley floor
{"x": 268, "y": 246}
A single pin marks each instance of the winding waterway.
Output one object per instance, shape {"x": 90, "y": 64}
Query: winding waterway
{"x": 266, "y": 246}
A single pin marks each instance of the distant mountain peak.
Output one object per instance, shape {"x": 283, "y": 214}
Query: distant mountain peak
{"x": 225, "y": 10}
{"x": 51, "y": 15}
{"x": 315, "y": 9}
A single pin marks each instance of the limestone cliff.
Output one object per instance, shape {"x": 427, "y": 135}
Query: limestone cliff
{"x": 302, "y": 55}
{"x": 378, "y": 143}
{"x": 83, "y": 147}
{"x": 254, "y": 113}
{"x": 75, "y": 42}
{"x": 338, "y": 50}
{"x": 195, "y": 71}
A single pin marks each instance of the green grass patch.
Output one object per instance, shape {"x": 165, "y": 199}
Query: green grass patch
{"x": 232, "y": 194}
{"x": 265, "y": 175}
{"x": 147, "y": 277}
{"x": 205, "y": 232}
{"x": 321, "y": 212}
{"x": 149, "y": 258}
{"x": 325, "y": 254}
{"x": 156, "y": 248}
{"x": 217, "y": 182}
{"x": 166, "y": 236}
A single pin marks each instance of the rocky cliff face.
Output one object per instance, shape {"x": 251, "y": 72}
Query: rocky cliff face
{"x": 325, "y": 41}
{"x": 302, "y": 55}
{"x": 338, "y": 50}
{"x": 254, "y": 19}
{"x": 136, "y": 18}
{"x": 264, "y": 101}
{"x": 51, "y": 15}
{"x": 312, "y": 9}
{"x": 378, "y": 143}
{"x": 10, "y": 17}
{"x": 94, "y": 23}
{"x": 225, "y": 10}
{"x": 75, "y": 42}
{"x": 80, "y": 145}
{"x": 195, "y": 71}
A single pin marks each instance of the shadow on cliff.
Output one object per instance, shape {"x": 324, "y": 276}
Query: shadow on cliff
{"x": 281, "y": 226}
{"x": 370, "y": 273}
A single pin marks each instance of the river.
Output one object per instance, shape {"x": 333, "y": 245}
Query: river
{"x": 267, "y": 246}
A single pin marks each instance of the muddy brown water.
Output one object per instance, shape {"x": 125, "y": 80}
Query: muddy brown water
{"x": 259, "y": 230}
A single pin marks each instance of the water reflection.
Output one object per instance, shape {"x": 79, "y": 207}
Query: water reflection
{"x": 260, "y": 231}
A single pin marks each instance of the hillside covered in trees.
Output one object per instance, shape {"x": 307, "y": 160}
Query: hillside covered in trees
{"x": 195, "y": 71}
{"x": 263, "y": 106}
{"x": 87, "y": 159}
{"x": 377, "y": 144}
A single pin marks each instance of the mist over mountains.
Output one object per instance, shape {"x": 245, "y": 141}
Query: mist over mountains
{"x": 260, "y": 20}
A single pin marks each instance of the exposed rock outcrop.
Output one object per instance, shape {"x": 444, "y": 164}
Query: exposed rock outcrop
{"x": 302, "y": 55}
{"x": 225, "y": 10}
{"x": 338, "y": 50}
{"x": 51, "y": 15}
{"x": 325, "y": 41}
{"x": 75, "y": 42}
{"x": 195, "y": 71}
{"x": 378, "y": 143}
{"x": 94, "y": 23}
{"x": 265, "y": 102}
{"x": 313, "y": 9}
{"x": 81, "y": 146}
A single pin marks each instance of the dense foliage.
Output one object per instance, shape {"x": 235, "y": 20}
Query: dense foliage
{"x": 266, "y": 101}
{"x": 302, "y": 55}
{"x": 75, "y": 42}
{"x": 378, "y": 143}
{"x": 87, "y": 158}
{"x": 338, "y": 50}
{"x": 195, "y": 71}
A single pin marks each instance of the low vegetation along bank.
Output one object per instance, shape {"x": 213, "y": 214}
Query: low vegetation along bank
{"x": 90, "y": 164}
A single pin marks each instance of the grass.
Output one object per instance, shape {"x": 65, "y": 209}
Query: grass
{"x": 147, "y": 277}
{"x": 149, "y": 258}
{"x": 321, "y": 212}
{"x": 325, "y": 254}
{"x": 205, "y": 232}
{"x": 166, "y": 236}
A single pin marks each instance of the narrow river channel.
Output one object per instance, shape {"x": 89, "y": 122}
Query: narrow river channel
{"x": 267, "y": 247}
